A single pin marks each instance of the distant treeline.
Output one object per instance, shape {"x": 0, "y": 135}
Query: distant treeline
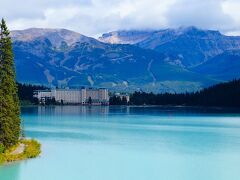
{"x": 220, "y": 95}
{"x": 116, "y": 100}
{"x": 25, "y": 92}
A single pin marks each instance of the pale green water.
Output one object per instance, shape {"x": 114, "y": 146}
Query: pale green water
{"x": 119, "y": 143}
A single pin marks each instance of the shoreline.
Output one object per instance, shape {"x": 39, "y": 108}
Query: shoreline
{"x": 23, "y": 150}
{"x": 145, "y": 106}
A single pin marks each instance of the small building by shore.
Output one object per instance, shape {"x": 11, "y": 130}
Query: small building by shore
{"x": 83, "y": 96}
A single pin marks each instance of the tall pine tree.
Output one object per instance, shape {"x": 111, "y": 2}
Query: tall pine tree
{"x": 9, "y": 102}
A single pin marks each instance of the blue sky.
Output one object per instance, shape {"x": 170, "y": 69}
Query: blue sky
{"x": 93, "y": 17}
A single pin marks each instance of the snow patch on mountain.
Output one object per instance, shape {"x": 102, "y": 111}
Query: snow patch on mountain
{"x": 90, "y": 80}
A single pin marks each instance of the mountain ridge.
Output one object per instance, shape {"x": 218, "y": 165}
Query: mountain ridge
{"x": 208, "y": 43}
{"x": 55, "y": 36}
{"x": 63, "y": 58}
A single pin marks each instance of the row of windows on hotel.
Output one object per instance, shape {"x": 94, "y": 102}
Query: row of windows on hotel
{"x": 74, "y": 96}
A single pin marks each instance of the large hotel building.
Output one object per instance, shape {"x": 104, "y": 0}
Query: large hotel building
{"x": 82, "y": 96}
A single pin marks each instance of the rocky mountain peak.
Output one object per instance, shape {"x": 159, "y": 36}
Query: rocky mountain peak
{"x": 125, "y": 37}
{"x": 55, "y": 36}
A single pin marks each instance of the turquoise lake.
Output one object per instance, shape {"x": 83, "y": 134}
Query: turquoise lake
{"x": 129, "y": 143}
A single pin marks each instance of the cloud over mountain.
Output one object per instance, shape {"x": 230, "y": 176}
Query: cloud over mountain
{"x": 93, "y": 17}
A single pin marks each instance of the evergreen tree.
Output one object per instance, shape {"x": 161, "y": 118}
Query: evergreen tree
{"x": 9, "y": 103}
{"x": 124, "y": 101}
{"x": 90, "y": 100}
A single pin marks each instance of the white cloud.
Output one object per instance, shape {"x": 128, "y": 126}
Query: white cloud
{"x": 232, "y": 8}
{"x": 92, "y": 17}
{"x": 204, "y": 14}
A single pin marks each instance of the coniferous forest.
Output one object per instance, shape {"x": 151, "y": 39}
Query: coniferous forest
{"x": 220, "y": 95}
{"x": 9, "y": 102}
{"x": 25, "y": 92}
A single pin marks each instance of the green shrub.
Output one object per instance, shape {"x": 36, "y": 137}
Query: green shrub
{"x": 2, "y": 148}
{"x": 32, "y": 150}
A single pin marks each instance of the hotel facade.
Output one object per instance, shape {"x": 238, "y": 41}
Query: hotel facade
{"x": 74, "y": 96}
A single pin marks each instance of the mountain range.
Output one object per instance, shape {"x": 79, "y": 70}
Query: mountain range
{"x": 169, "y": 60}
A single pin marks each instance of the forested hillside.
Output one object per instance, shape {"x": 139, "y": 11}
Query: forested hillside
{"x": 220, "y": 95}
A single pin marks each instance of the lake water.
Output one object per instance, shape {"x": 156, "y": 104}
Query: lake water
{"x": 129, "y": 143}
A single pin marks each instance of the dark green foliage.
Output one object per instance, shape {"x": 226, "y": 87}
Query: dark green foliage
{"x": 116, "y": 100}
{"x": 25, "y": 92}
{"x": 124, "y": 101}
{"x": 9, "y": 103}
{"x": 50, "y": 101}
{"x": 90, "y": 100}
{"x": 221, "y": 95}
{"x": 2, "y": 148}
